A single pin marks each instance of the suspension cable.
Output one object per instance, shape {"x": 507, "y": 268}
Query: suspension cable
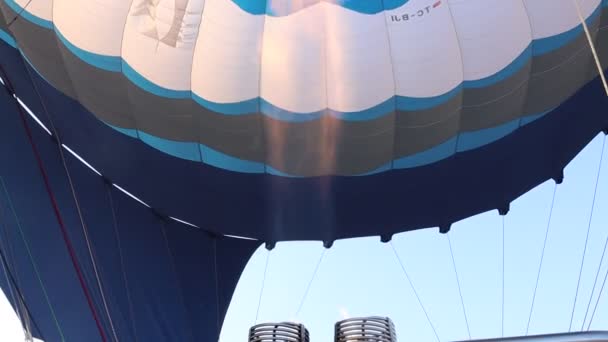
{"x": 121, "y": 257}
{"x": 58, "y": 216}
{"x": 216, "y": 273}
{"x": 257, "y": 312}
{"x": 580, "y": 273}
{"x": 409, "y": 280}
{"x": 83, "y": 224}
{"x": 599, "y": 267}
{"x": 314, "y": 274}
{"x": 502, "y": 316}
{"x": 464, "y": 311}
{"x": 31, "y": 257}
{"x": 10, "y": 23}
{"x": 599, "y": 297}
{"x": 542, "y": 257}
{"x": 6, "y": 238}
{"x": 596, "y": 57}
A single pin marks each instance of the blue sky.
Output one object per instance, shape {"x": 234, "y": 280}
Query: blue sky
{"x": 360, "y": 277}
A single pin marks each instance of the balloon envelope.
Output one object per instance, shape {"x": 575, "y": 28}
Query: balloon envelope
{"x": 320, "y": 119}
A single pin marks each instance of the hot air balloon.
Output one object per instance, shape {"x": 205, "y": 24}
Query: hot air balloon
{"x": 150, "y": 146}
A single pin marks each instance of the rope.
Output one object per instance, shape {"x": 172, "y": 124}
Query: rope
{"x": 21, "y": 309}
{"x": 414, "y": 290}
{"x": 580, "y": 273}
{"x": 598, "y": 63}
{"x": 599, "y": 297}
{"x": 18, "y": 14}
{"x": 502, "y": 316}
{"x": 85, "y": 229}
{"x": 257, "y": 313}
{"x": 599, "y": 267}
{"x": 122, "y": 263}
{"x": 217, "y": 289}
{"x": 31, "y": 257}
{"x": 59, "y": 218}
{"x": 314, "y": 274}
{"x": 542, "y": 257}
{"x": 7, "y": 268}
{"x": 464, "y": 311}
{"x": 178, "y": 283}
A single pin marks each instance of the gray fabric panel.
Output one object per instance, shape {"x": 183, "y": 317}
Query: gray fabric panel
{"x": 329, "y": 145}
{"x": 162, "y": 117}
{"x": 322, "y": 146}
{"x": 412, "y": 140}
{"x": 4, "y": 22}
{"x": 242, "y": 136}
{"x": 497, "y": 104}
{"x": 549, "y": 89}
{"x": 601, "y": 44}
{"x": 430, "y": 116}
{"x": 421, "y": 130}
{"x": 40, "y": 45}
{"x": 106, "y": 96}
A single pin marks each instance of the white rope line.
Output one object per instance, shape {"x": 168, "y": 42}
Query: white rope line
{"x": 598, "y": 63}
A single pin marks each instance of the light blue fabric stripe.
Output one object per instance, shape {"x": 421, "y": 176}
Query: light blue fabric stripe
{"x": 546, "y": 45}
{"x": 505, "y": 73}
{"x": 28, "y": 16}
{"x": 180, "y": 149}
{"x": 531, "y": 118}
{"x": 383, "y": 168}
{"x": 220, "y": 160}
{"x": 108, "y": 63}
{"x": 284, "y": 115}
{"x": 272, "y": 171}
{"x": 150, "y": 87}
{"x": 435, "y": 154}
{"x": 126, "y": 131}
{"x": 7, "y": 38}
{"x": 377, "y": 111}
{"x": 464, "y": 142}
{"x": 235, "y": 108}
{"x": 422, "y": 103}
{"x": 472, "y": 140}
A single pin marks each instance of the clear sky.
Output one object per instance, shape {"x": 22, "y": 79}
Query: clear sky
{"x": 362, "y": 277}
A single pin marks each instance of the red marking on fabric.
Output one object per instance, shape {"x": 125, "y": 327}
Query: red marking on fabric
{"x": 437, "y": 4}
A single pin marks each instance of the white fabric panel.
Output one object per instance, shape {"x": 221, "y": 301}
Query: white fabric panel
{"x": 359, "y": 71}
{"x": 40, "y": 8}
{"x": 552, "y": 17}
{"x": 226, "y": 65}
{"x": 94, "y": 26}
{"x": 492, "y": 34}
{"x": 426, "y": 55}
{"x": 159, "y": 40}
{"x": 294, "y": 60}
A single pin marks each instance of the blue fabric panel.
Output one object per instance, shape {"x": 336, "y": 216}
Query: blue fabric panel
{"x": 276, "y": 208}
{"x": 168, "y": 285}
{"x": 152, "y": 280}
{"x": 43, "y": 237}
{"x": 20, "y": 79}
